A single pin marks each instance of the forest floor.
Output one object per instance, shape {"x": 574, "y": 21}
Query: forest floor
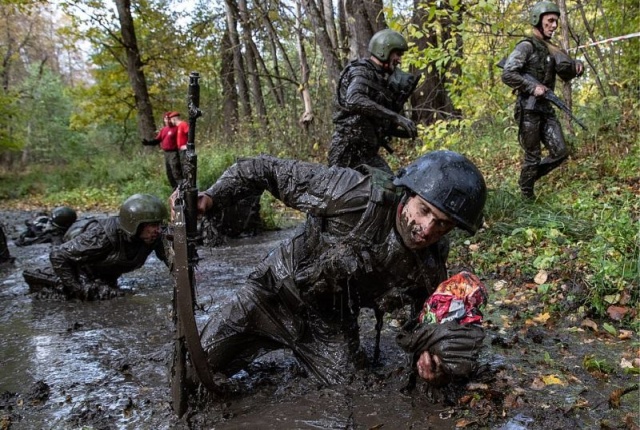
{"x": 105, "y": 365}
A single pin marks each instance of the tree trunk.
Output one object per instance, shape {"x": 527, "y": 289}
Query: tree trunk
{"x": 307, "y": 116}
{"x": 238, "y": 62}
{"x": 602, "y": 61}
{"x": 364, "y": 18}
{"x": 564, "y": 43}
{"x": 322, "y": 38}
{"x": 251, "y": 63}
{"x": 430, "y": 102}
{"x": 229, "y": 91}
{"x": 146, "y": 126}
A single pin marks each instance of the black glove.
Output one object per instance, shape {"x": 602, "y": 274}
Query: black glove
{"x": 407, "y": 125}
{"x": 152, "y": 142}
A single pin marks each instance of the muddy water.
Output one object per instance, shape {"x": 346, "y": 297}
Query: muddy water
{"x": 104, "y": 365}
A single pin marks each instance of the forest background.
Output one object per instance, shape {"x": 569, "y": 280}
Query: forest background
{"x": 84, "y": 81}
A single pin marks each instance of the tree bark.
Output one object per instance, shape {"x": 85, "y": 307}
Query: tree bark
{"x": 229, "y": 91}
{"x": 364, "y": 18}
{"x": 251, "y": 63}
{"x": 564, "y": 43}
{"x": 324, "y": 42}
{"x": 146, "y": 126}
{"x": 430, "y": 102}
{"x": 307, "y": 116}
{"x": 238, "y": 62}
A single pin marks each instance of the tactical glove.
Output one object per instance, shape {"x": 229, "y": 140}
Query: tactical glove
{"x": 407, "y": 125}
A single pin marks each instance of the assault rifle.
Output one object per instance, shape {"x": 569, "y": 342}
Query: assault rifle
{"x": 550, "y": 95}
{"x": 185, "y": 236}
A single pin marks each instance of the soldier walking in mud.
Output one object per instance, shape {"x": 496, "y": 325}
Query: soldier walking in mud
{"x": 97, "y": 251}
{"x": 370, "y": 240}
{"x": 531, "y": 70}
{"x": 370, "y": 96}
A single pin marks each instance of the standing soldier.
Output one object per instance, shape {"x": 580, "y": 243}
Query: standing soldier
{"x": 531, "y": 71}
{"x": 370, "y": 95}
{"x": 167, "y": 138}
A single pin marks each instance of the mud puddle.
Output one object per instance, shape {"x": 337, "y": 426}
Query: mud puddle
{"x": 104, "y": 365}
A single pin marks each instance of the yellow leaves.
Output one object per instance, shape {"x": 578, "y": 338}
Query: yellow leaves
{"x": 539, "y": 319}
{"x": 552, "y": 380}
{"x": 540, "y": 383}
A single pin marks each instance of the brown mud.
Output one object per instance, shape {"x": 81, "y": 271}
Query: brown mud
{"x": 104, "y": 365}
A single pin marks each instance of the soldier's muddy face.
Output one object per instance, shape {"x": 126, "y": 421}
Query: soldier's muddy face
{"x": 421, "y": 224}
{"x": 150, "y": 232}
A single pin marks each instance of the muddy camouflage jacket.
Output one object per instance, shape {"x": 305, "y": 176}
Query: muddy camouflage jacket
{"x": 348, "y": 254}
{"x": 365, "y": 108}
{"x": 100, "y": 249}
{"x": 532, "y": 56}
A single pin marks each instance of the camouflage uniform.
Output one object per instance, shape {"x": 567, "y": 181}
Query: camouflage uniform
{"x": 537, "y": 121}
{"x": 95, "y": 253}
{"x": 365, "y": 116}
{"x": 307, "y": 293}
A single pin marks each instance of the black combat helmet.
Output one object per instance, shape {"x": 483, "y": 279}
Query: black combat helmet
{"x": 451, "y": 183}
{"x": 385, "y": 41}
{"x": 541, "y": 8}
{"x": 139, "y": 209}
{"x": 63, "y": 217}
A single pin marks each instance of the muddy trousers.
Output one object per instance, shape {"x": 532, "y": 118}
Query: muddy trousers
{"x": 263, "y": 319}
{"x": 537, "y": 129}
{"x": 173, "y": 167}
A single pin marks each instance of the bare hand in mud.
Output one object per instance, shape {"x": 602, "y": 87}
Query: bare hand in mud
{"x": 204, "y": 203}
{"x": 429, "y": 367}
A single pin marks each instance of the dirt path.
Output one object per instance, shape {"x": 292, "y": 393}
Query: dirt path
{"x": 104, "y": 365}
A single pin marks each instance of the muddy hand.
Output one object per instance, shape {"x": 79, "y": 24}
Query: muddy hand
{"x": 407, "y": 125}
{"x": 429, "y": 367}
{"x": 172, "y": 202}
{"x": 204, "y": 203}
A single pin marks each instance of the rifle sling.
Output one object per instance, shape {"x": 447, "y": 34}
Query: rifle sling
{"x": 184, "y": 302}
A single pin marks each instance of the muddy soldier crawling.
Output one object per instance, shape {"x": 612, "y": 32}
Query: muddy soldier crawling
{"x": 370, "y": 240}
{"x": 97, "y": 251}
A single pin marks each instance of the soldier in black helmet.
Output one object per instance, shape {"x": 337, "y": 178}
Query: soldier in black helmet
{"x": 97, "y": 251}
{"x": 370, "y": 240}
{"x": 48, "y": 229}
{"x": 538, "y": 125}
{"x": 369, "y": 99}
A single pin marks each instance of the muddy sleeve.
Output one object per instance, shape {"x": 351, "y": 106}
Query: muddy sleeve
{"x": 358, "y": 101}
{"x": 90, "y": 246}
{"x": 566, "y": 67}
{"x": 309, "y": 187}
{"x": 512, "y": 73}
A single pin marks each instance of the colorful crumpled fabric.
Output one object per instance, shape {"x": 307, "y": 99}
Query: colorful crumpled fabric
{"x": 459, "y": 298}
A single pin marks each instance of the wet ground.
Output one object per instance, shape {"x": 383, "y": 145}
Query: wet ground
{"x": 104, "y": 365}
